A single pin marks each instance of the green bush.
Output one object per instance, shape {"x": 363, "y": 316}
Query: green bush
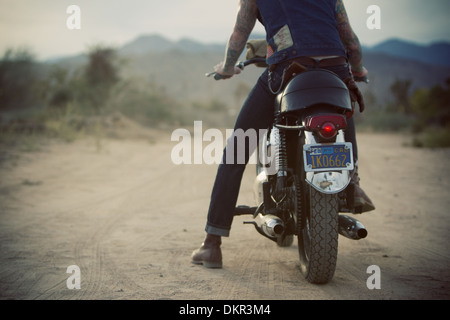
{"x": 385, "y": 121}
{"x": 434, "y": 137}
{"x": 19, "y": 79}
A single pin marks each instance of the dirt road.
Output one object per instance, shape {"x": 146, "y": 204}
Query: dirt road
{"x": 129, "y": 219}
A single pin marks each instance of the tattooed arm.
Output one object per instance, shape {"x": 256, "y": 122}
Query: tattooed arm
{"x": 350, "y": 40}
{"x": 245, "y": 22}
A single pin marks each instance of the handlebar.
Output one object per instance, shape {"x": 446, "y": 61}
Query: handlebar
{"x": 364, "y": 79}
{"x": 242, "y": 64}
{"x": 216, "y": 75}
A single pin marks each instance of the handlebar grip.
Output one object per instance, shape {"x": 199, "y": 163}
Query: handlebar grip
{"x": 240, "y": 65}
{"x": 361, "y": 79}
{"x": 218, "y": 76}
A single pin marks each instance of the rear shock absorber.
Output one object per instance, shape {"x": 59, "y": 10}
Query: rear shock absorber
{"x": 282, "y": 160}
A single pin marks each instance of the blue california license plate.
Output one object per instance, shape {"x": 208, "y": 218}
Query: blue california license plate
{"x": 328, "y": 157}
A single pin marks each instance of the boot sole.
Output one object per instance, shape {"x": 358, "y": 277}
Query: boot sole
{"x": 210, "y": 265}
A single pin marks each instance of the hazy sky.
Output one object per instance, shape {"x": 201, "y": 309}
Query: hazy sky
{"x": 41, "y": 25}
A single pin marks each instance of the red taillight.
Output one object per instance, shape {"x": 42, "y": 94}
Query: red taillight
{"x": 326, "y": 125}
{"x": 328, "y": 130}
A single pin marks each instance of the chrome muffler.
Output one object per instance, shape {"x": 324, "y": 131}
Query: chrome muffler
{"x": 351, "y": 228}
{"x": 271, "y": 225}
{"x": 268, "y": 225}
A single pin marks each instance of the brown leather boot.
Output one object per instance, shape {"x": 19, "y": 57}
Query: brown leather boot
{"x": 362, "y": 202}
{"x": 209, "y": 254}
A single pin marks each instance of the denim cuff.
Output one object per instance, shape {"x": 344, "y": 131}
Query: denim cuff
{"x": 217, "y": 231}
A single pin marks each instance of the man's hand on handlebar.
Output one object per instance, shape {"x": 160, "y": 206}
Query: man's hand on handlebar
{"x": 221, "y": 74}
{"x": 361, "y": 76}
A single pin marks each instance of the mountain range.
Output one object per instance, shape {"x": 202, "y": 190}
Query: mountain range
{"x": 157, "y": 43}
{"x": 178, "y": 68}
{"x": 437, "y": 53}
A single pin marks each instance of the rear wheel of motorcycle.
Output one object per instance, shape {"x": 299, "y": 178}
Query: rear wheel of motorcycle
{"x": 318, "y": 236}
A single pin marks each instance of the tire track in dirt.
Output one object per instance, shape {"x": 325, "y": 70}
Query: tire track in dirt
{"x": 126, "y": 211}
{"x": 94, "y": 251}
{"x": 130, "y": 219}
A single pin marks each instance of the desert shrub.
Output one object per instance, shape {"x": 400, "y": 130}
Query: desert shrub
{"x": 435, "y": 137}
{"x": 19, "y": 79}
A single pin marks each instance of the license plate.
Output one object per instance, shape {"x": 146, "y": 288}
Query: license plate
{"x": 329, "y": 157}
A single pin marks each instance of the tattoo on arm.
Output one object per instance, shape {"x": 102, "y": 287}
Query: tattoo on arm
{"x": 245, "y": 22}
{"x": 348, "y": 37}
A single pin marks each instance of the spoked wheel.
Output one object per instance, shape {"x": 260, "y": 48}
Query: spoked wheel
{"x": 318, "y": 236}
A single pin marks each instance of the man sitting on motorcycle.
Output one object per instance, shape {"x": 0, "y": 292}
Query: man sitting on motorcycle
{"x": 294, "y": 28}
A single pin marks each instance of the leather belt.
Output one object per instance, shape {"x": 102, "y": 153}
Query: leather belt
{"x": 317, "y": 62}
{"x": 300, "y": 64}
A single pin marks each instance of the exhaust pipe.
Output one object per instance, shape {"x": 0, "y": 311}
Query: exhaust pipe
{"x": 351, "y": 228}
{"x": 271, "y": 225}
{"x": 268, "y": 225}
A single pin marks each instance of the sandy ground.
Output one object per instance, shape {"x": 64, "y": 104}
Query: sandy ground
{"x": 129, "y": 219}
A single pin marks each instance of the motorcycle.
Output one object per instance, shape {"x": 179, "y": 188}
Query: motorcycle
{"x": 303, "y": 172}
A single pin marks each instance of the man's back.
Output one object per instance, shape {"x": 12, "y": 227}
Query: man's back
{"x": 300, "y": 28}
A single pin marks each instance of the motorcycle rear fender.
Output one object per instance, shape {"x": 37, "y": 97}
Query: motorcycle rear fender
{"x": 315, "y": 87}
{"x": 328, "y": 182}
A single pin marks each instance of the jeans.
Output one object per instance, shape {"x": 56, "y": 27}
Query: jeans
{"x": 256, "y": 113}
